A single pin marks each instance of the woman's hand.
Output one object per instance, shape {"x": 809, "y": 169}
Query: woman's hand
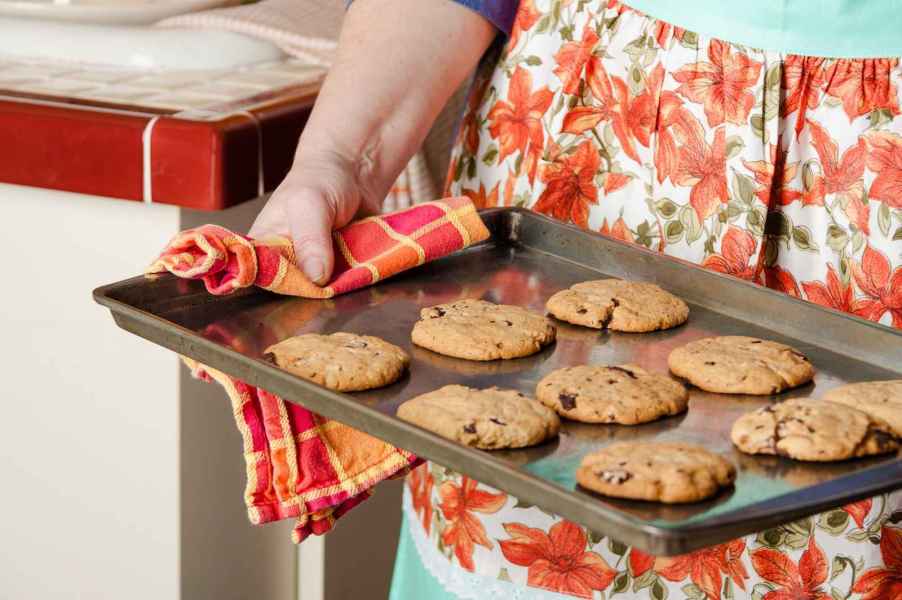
{"x": 397, "y": 64}
{"x": 318, "y": 195}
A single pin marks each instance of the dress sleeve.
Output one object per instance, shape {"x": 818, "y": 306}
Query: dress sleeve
{"x": 500, "y": 13}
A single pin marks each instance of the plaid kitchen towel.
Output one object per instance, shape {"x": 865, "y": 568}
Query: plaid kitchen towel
{"x": 299, "y": 464}
{"x": 366, "y": 251}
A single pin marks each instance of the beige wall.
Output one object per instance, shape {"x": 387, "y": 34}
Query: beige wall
{"x": 89, "y": 430}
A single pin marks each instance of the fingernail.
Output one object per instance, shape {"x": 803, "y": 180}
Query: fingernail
{"x": 313, "y": 268}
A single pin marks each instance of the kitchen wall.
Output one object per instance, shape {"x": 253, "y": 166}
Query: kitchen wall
{"x": 90, "y": 467}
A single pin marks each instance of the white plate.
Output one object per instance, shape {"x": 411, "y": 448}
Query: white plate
{"x": 119, "y": 12}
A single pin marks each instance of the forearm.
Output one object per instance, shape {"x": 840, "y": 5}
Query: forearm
{"x": 398, "y": 63}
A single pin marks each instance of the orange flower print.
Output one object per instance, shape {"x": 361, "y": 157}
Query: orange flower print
{"x": 842, "y": 176}
{"x": 517, "y": 123}
{"x": 736, "y": 249}
{"x": 778, "y": 278}
{"x": 803, "y": 78}
{"x": 664, "y": 31}
{"x": 557, "y": 561}
{"x": 571, "y": 59}
{"x": 570, "y": 185}
{"x": 618, "y": 231}
{"x": 527, "y": 16}
{"x": 859, "y": 510}
{"x": 705, "y": 567}
{"x": 864, "y": 85}
{"x": 883, "y": 583}
{"x": 722, "y": 85}
{"x": 420, "y": 483}
{"x": 703, "y": 168}
{"x": 766, "y": 172}
{"x": 607, "y": 107}
{"x": 480, "y": 198}
{"x": 671, "y": 113}
{"x": 832, "y": 294}
{"x": 464, "y": 528}
{"x": 469, "y": 126}
{"x": 881, "y": 286}
{"x": 804, "y": 580}
{"x": 642, "y": 115}
{"x": 885, "y": 159}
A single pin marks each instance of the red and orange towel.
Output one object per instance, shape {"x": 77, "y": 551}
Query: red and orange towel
{"x": 366, "y": 251}
{"x": 299, "y": 464}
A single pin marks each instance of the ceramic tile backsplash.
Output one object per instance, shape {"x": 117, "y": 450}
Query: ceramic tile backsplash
{"x": 172, "y": 90}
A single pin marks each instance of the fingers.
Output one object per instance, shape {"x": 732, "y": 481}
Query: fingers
{"x": 311, "y": 230}
{"x": 308, "y": 220}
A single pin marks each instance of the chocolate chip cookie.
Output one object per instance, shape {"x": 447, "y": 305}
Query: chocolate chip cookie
{"x": 667, "y": 472}
{"x": 480, "y": 330}
{"x": 345, "y": 362}
{"x": 490, "y": 419}
{"x": 626, "y": 394}
{"x": 736, "y": 364}
{"x": 618, "y": 305}
{"x": 812, "y": 430}
{"x": 879, "y": 399}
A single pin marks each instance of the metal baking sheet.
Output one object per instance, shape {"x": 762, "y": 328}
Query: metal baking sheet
{"x": 528, "y": 258}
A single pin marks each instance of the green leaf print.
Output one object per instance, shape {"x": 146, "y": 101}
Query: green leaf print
{"x": 801, "y": 235}
{"x": 533, "y": 61}
{"x": 837, "y": 238}
{"x": 666, "y": 208}
{"x": 884, "y": 218}
{"x": 645, "y": 580}
{"x": 674, "y": 232}
{"x": 834, "y": 522}
{"x": 734, "y": 146}
{"x": 693, "y": 592}
{"x": 658, "y": 591}
{"x": 898, "y": 235}
{"x": 618, "y": 548}
{"x": 744, "y": 188}
{"x": 621, "y": 583}
{"x": 490, "y": 155}
{"x": 689, "y": 40}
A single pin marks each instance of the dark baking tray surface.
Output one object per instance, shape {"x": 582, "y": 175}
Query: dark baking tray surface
{"x": 528, "y": 258}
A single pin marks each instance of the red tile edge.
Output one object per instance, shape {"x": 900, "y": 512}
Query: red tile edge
{"x": 70, "y": 149}
{"x": 205, "y": 165}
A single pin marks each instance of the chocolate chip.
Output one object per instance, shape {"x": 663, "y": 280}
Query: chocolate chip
{"x": 710, "y": 363}
{"x": 471, "y": 428}
{"x": 611, "y": 381}
{"x": 615, "y": 476}
{"x": 568, "y": 401}
{"x": 440, "y": 312}
{"x": 615, "y": 302}
{"x": 582, "y": 311}
{"x": 884, "y": 439}
{"x": 498, "y": 422}
{"x": 270, "y": 358}
{"x": 755, "y": 342}
{"x": 622, "y": 370}
{"x": 508, "y": 323}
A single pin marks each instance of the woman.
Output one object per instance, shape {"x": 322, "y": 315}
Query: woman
{"x": 663, "y": 124}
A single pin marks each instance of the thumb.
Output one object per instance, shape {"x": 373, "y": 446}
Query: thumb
{"x": 310, "y": 225}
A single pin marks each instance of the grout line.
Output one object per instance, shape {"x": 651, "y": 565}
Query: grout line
{"x": 147, "y": 156}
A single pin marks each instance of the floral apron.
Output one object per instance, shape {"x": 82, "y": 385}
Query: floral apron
{"x": 781, "y": 169}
